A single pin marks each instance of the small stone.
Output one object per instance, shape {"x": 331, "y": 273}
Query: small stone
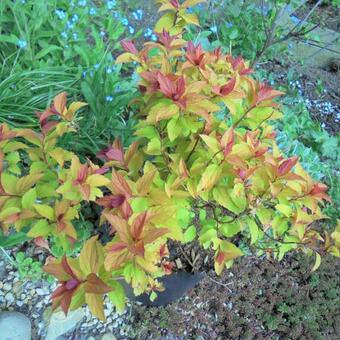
{"x": 41, "y": 291}
{"x": 7, "y": 286}
{"x": 108, "y": 336}
{"x": 19, "y": 303}
{"x": 15, "y": 326}
{"x": 9, "y": 297}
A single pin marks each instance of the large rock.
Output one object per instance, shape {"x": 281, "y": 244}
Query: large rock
{"x": 14, "y": 326}
{"x": 60, "y": 324}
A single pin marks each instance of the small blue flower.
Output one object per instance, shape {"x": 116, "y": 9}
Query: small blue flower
{"x": 102, "y": 34}
{"x": 154, "y": 37}
{"x": 96, "y": 66}
{"x": 64, "y": 35}
{"x": 229, "y": 24}
{"x": 109, "y": 70}
{"x": 22, "y": 43}
{"x": 82, "y": 3}
{"x": 148, "y": 33}
{"x": 295, "y": 19}
{"x": 75, "y": 36}
{"x": 74, "y": 18}
{"x": 109, "y": 99}
{"x": 84, "y": 74}
{"x": 290, "y": 45}
{"x": 213, "y": 29}
{"x": 190, "y": 10}
{"x": 111, "y": 4}
{"x": 125, "y": 22}
{"x": 92, "y": 11}
{"x": 118, "y": 88}
{"x": 60, "y": 14}
{"x": 131, "y": 30}
{"x": 115, "y": 15}
{"x": 69, "y": 25}
{"x": 265, "y": 10}
{"x": 138, "y": 15}
{"x": 91, "y": 74}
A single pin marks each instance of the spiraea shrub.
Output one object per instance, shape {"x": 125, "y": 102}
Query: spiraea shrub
{"x": 205, "y": 167}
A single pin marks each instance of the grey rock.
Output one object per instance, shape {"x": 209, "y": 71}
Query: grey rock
{"x": 61, "y": 324}
{"x": 14, "y": 326}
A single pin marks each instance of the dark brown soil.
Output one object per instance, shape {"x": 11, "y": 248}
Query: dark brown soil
{"x": 326, "y": 14}
{"x": 319, "y": 86}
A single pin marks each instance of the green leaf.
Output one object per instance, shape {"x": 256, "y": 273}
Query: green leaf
{"x": 190, "y": 234}
{"x": 174, "y": 128}
{"x": 230, "y": 229}
{"x": 41, "y": 228}
{"x": 29, "y": 198}
{"x": 47, "y": 50}
{"x": 45, "y": 211}
{"x": 12, "y": 240}
{"x": 117, "y": 296}
{"x": 253, "y": 229}
{"x": 317, "y": 262}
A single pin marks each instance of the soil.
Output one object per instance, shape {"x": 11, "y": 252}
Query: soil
{"x": 320, "y": 88}
{"x": 326, "y": 14}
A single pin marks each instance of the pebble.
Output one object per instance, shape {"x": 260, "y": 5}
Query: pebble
{"x": 7, "y": 286}
{"x": 9, "y": 297}
{"x": 41, "y": 291}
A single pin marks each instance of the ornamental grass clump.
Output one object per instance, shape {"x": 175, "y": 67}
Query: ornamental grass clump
{"x": 205, "y": 168}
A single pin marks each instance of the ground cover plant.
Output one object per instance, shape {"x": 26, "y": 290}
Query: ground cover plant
{"x": 206, "y": 167}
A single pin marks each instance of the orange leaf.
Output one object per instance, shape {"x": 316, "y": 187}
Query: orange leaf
{"x": 95, "y": 285}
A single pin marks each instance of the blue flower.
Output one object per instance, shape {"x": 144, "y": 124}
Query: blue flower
{"x": 82, "y": 3}
{"x": 84, "y": 74}
{"x": 74, "y": 18}
{"x": 115, "y": 15}
{"x": 75, "y": 36}
{"x": 295, "y": 19}
{"x": 290, "y": 45}
{"x": 138, "y": 15}
{"x": 190, "y": 10}
{"x": 22, "y": 43}
{"x": 125, "y": 22}
{"x": 154, "y": 37}
{"x": 69, "y": 25}
{"x": 213, "y": 29}
{"x": 64, "y": 35}
{"x": 148, "y": 33}
{"x": 111, "y": 4}
{"x": 92, "y": 11}
{"x": 109, "y": 98}
{"x": 60, "y": 14}
{"x": 109, "y": 70}
{"x": 102, "y": 34}
{"x": 131, "y": 30}
{"x": 96, "y": 66}
{"x": 118, "y": 88}
{"x": 265, "y": 10}
{"x": 229, "y": 24}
